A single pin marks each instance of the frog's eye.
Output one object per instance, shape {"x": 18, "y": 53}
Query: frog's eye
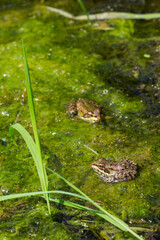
{"x": 89, "y": 113}
{"x": 101, "y": 160}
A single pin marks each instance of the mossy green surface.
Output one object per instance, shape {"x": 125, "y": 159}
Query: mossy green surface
{"x": 67, "y": 60}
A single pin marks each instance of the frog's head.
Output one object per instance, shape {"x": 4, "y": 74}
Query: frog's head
{"x": 99, "y": 166}
{"x": 94, "y": 116}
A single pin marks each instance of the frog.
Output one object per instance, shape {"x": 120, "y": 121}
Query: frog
{"x": 86, "y": 110}
{"x": 115, "y": 171}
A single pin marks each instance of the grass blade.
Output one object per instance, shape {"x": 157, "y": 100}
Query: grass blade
{"x": 59, "y": 201}
{"x": 19, "y": 195}
{"x": 30, "y": 144}
{"x": 84, "y": 9}
{"x": 115, "y": 220}
{"x": 40, "y": 166}
{"x": 66, "y": 203}
{"x": 81, "y": 207}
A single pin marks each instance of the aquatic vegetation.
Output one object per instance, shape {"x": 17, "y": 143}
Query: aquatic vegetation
{"x": 104, "y": 15}
{"x": 35, "y": 149}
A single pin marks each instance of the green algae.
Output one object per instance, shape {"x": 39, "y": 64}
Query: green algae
{"x": 66, "y": 61}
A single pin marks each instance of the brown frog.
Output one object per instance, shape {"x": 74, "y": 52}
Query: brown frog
{"x": 85, "y": 109}
{"x": 111, "y": 171}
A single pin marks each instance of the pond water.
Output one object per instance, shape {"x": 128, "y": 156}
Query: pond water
{"x": 115, "y": 63}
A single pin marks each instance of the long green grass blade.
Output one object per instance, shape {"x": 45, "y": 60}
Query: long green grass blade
{"x": 84, "y": 8}
{"x": 66, "y": 203}
{"x": 116, "y": 221}
{"x": 60, "y": 201}
{"x": 81, "y": 207}
{"x": 30, "y": 144}
{"x": 19, "y": 195}
{"x": 40, "y": 166}
{"x": 71, "y": 204}
{"x": 75, "y": 205}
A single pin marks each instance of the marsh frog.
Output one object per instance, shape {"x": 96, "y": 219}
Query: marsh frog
{"x": 85, "y": 109}
{"x": 112, "y": 171}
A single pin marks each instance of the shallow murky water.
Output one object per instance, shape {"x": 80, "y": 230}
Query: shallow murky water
{"x": 118, "y": 67}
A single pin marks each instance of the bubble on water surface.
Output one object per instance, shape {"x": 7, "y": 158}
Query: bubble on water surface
{"x": 5, "y": 114}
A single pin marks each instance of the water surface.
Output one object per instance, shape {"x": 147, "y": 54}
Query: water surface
{"x": 117, "y": 67}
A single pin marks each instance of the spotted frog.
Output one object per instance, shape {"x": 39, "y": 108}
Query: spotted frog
{"x": 85, "y": 109}
{"x": 111, "y": 171}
